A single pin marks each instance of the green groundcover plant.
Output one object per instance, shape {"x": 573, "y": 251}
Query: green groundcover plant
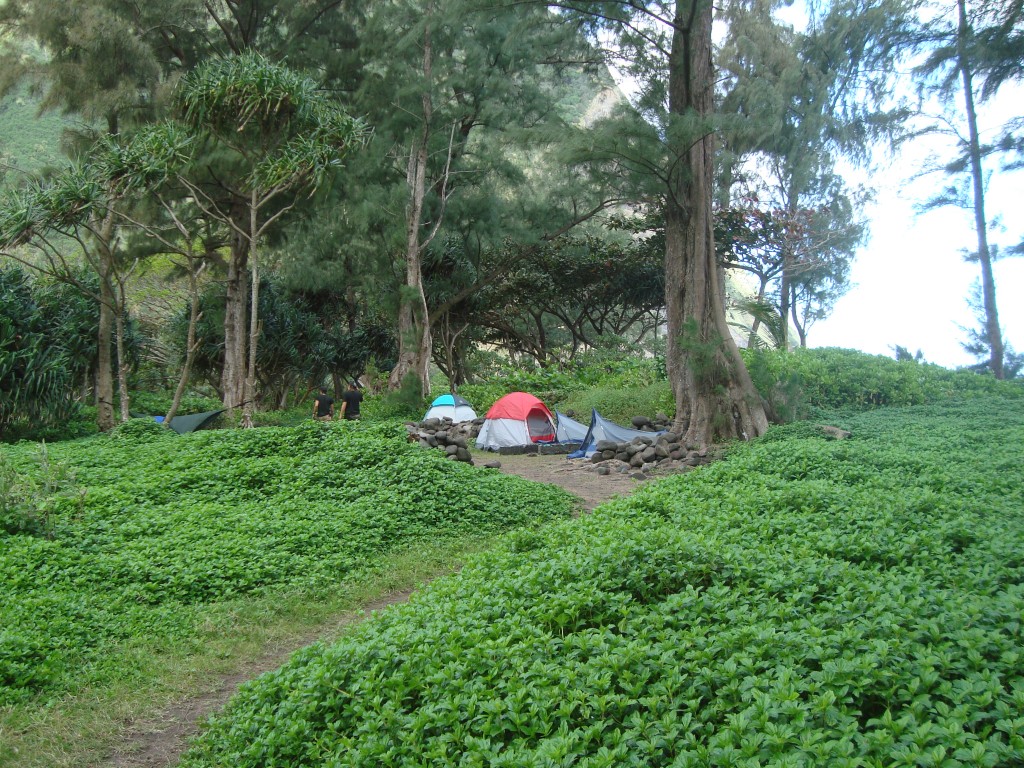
{"x": 806, "y": 602}
{"x": 158, "y": 525}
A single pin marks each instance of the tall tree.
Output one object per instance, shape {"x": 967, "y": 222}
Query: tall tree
{"x": 797, "y": 102}
{"x": 667, "y": 48}
{"x": 972, "y": 51}
{"x": 462, "y": 82}
{"x": 277, "y": 135}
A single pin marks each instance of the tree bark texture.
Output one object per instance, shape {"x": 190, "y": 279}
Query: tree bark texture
{"x": 104, "y": 359}
{"x": 988, "y": 282}
{"x": 235, "y": 314}
{"x": 249, "y": 389}
{"x": 715, "y": 397}
{"x": 414, "y": 339}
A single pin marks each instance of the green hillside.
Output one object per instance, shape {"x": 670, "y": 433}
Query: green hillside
{"x": 29, "y": 141}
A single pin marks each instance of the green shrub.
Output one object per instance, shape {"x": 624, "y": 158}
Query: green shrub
{"x": 837, "y": 378}
{"x": 805, "y": 602}
{"x": 29, "y": 500}
{"x": 621, "y": 405}
{"x": 171, "y": 523}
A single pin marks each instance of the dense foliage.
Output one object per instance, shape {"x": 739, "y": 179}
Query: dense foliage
{"x": 35, "y": 381}
{"x": 805, "y": 602}
{"x": 145, "y": 527}
{"x": 844, "y": 378}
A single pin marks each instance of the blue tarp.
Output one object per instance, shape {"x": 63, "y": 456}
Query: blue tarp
{"x": 602, "y": 429}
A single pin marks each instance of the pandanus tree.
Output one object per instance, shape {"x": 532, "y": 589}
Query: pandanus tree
{"x": 260, "y": 136}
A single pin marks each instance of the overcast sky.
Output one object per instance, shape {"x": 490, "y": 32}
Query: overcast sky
{"x": 911, "y": 283}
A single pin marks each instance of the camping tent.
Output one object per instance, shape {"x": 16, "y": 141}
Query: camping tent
{"x": 187, "y": 423}
{"x": 517, "y": 419}
{"x": 602, "y": 429}
{"x": 569, "y": 430}
{"x": 452, "y": 407}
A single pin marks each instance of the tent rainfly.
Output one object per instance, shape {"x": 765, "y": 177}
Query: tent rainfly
{"x": 517, "y": 419}
{"x": 568, "y": 430}
{"x": 187, "y": 423}
{"x": 452, "y": 407}
{"x": 602, "y": 429}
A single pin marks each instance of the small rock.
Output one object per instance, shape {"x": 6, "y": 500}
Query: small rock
{"x": 452, "y": 450}
{"x": 602, "y": 470}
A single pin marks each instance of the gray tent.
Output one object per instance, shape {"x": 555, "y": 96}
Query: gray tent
{"x": 568, "y": 430}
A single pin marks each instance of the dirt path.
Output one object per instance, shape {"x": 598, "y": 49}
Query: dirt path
{"x": 160, "y": 740}
{"x": 594, "y": 489}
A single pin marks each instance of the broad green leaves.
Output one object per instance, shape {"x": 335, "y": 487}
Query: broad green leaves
{"x": 170, "y": 524}
{"x": 805, "y": 602}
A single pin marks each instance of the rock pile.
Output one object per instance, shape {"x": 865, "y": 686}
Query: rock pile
{"x": 454, "y": 438}
{"x": 659, "y": 423}
{"x": 644, "y": 454}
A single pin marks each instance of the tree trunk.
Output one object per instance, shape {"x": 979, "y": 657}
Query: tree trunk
{"x": 249, "y": 390}
{"x": 122, "y": 364}
{"x": 104, "y": 362}
{"x": 235, "y": 313}
{"x": 190, "y": 343}
{"x": 993, "y": 332}
{"x": 414, "y": 340}
{"x": 715, "y": 398}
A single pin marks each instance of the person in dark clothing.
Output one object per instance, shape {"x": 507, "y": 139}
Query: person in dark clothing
{"x": 350, "y": 400}
{"x": 323, "y": 406}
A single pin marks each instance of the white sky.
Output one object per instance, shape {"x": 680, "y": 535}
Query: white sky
{"x": 911, "y": 284}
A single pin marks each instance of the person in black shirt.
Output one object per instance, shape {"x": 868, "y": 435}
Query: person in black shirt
{"x": 350, "y": 401}
{"x": 323, "y": 406}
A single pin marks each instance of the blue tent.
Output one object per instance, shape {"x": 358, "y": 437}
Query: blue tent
{"x": 452, "y": 407}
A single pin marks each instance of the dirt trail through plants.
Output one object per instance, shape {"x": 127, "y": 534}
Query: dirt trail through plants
{"x": 160, "y": 740}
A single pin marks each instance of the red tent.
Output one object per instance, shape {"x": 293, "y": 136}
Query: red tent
{"x": 518, "y": 418}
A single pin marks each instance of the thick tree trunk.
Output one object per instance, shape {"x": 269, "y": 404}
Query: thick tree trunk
{"x": 993, "y": 332}
{"x": 715, "y": 398}
{"x": 235, "y": 313}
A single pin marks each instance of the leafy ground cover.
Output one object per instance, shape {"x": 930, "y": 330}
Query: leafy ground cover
{"x": 805, "y": 602}
{"x": 156, "y": 527}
